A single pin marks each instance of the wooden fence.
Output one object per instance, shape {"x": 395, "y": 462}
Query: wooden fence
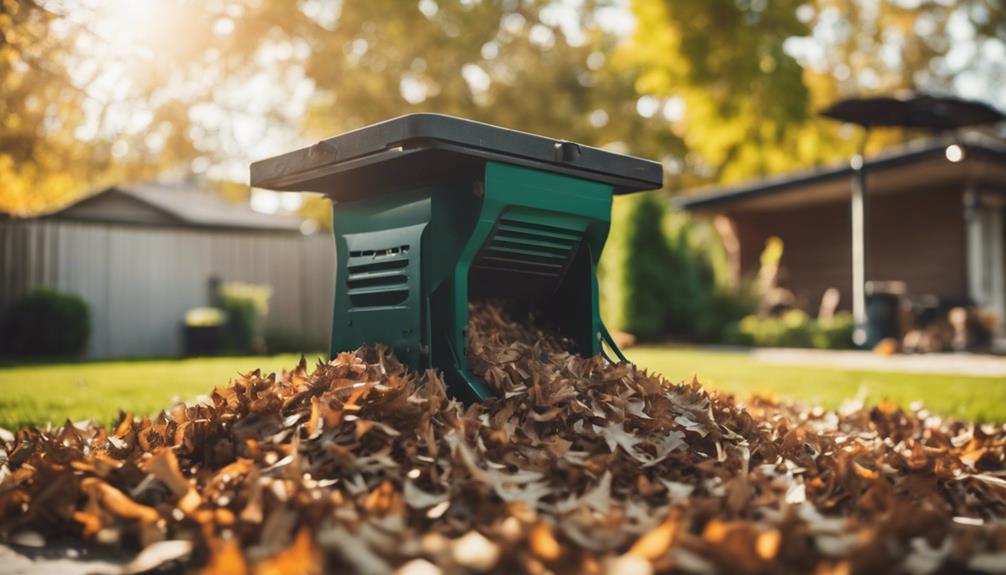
{"x": 139, "y": 282}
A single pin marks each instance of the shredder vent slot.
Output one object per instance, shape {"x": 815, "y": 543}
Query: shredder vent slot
{"x": 537, "y": 251}
{"x": 378, "y": 278}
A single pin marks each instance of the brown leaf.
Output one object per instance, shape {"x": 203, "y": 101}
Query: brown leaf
{"x": 116, "y": 502}
{"x": 164, "y": 466}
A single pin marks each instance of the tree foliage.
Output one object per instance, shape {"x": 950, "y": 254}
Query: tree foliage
{"x": 88, "y": 101}
{"x": 752, "y": 75}
{"x": 519, "y": 64}
{"x": 526, "y": 65}
{"x": 98, "y": 92}
{"x": 636, "y": 259}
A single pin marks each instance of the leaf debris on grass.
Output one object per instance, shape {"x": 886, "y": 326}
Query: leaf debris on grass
{"x": 578, "y": 466}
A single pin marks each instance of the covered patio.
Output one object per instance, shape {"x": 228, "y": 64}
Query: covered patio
{"x": 936, "y": 212}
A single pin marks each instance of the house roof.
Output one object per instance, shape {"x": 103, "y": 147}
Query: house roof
{"x": 985, "y": 159}
{"x": 160, "y": 204}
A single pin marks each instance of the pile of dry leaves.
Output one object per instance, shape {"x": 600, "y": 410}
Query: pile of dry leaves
{"x": 579, "y": 466}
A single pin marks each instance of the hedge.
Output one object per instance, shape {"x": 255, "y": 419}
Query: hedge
{"x": 45, "y": 323}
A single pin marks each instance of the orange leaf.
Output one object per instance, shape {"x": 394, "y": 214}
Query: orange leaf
{"x": 225, "y": 559}
{"x": 658, "y": 540}
{"x": 543, "y": 542}
{"x": 300, "y": 557}
{"x": 768, "y": 544}
{"x": 864, "y": 472}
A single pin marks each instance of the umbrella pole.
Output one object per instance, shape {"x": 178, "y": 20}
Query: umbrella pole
{"x": 859, "y": 215}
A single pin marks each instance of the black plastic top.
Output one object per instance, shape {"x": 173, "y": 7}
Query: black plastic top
{"x": 424, "y": 147}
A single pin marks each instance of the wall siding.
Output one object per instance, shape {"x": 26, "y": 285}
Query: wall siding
{"x": 139, "y": 282}
{"x": 916, "y": 237}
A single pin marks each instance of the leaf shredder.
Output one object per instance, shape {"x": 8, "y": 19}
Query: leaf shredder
{"x": 432, "y": 211}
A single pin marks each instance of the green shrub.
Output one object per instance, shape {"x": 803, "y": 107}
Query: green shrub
{"x": 46, "y": 323}
{"x": 835, "y": 333}
{"x": 721, "y": 310}
{"x": 763, "y": 331}
{"x": 664, "y": 275}
{"x": 740, "y": 332}
{"x": 245, "y": 305}
{"x": 690, "y": 282}
{"x": 793, "y": 329}
{"x": 645, "y": 273}
{"x": 796, "y": 329}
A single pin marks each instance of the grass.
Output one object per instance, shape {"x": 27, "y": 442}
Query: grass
{"x": 979, "y": 398}
{"x": 35, "y": 394}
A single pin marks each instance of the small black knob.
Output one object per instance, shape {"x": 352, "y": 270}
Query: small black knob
{"x": 566, "y": 151}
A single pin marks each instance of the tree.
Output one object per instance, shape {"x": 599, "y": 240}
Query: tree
{"x": 521, "y": 65}
{"x": 751, "y": 75}
{"x": 179, "y": 105}
{"x": 94, "y": 95}
{"x": 717, "y": 89}
{"x": 665, "y": 275}
{"x": 724, "y": 62}
{"x": 635, "y": 266}
{"x": 32, "y": 101}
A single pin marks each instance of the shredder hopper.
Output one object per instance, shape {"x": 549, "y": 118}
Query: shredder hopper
{"x": 431, "y": 212}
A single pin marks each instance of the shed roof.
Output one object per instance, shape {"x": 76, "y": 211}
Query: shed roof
{"x": 182, "y": 205}
{"x": 984, "y": 163}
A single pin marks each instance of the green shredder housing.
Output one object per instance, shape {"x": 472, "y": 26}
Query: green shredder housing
{"x": 431, "y": 212}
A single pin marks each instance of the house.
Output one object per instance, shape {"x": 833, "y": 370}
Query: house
{"x": 935, "y": 221}
{"x": 142, "y": 255}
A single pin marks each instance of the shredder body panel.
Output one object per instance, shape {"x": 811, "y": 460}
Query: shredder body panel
{"x": 429, "y": 216}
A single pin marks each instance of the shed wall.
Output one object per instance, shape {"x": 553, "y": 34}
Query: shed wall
{"x": 139, "y": 282}
{"x": 916, "y": 237}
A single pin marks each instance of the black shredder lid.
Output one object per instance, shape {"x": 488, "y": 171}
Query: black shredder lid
{"x": 425, "y": 147}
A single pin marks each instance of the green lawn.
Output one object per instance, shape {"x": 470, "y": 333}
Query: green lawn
{"x": 982, "y": 398}
{"x": 40, "y": 393}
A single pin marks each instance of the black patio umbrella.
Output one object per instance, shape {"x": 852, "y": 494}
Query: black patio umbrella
{"x": 917, "y": 111}
{"x": 920, "y": 111}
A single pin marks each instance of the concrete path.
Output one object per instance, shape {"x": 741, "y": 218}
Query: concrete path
{"x": 941, "y": 363}
{"x": 57, "y": 559}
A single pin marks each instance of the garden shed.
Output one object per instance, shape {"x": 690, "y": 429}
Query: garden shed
{"x": 142, "y": 255}
{"x": 936, "y": 211}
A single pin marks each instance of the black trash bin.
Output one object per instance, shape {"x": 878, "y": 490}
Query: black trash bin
{"x": 203, "y": 331}
{"x": 883, "y": 311}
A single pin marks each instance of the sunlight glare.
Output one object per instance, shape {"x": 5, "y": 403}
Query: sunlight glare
{"x": 129, "y": 25}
